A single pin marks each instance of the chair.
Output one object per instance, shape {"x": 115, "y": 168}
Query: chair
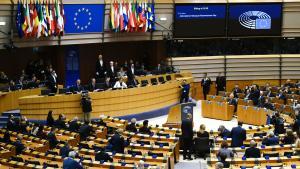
{"x": 153, "y": 81}
{"x": 155, "y": 154}
{"x": 84, "y": 145}
{"x": 168, "y": 77}
{"x": 132, "y": 152}
{"x": 261, "y": 134}
{"x": 32, "y": 162}
{"x": 201, "y": 147}
{"x": 161, "y": 79}
{"x": 288, "y": 153}
{"x": 143, "y": 142}
{"x": 50, "y": 165}
{"x": 52, "y": 152}
{"x": 162, "y": 143}
{"x": 16, "y": 158}
{"x": 144, "y": 83}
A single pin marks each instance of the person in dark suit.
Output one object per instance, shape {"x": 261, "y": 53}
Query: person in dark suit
{"x": 270, "y": 93}
{"x": 52, "y": 80}
{"x": 64, "y": 151}
{"x": 271, "y": 139}
{"x": 78, "y": 87}
{"x": 107, "y": 84}
{"x": 205, "y": 83}
{"x": 223, "y": 132}
{"x": 220, "y": 83}
{"x": 131, "y": 72}
{"x": 10, "y": 125}
{"x": 71, "y": 163}
{"x": 278, "y": 123}
{"x": 185, "y": 90}
{"x": 236, "y": 90}
{"x": 6, "y": 137}
{"x": 261, "y": 99}
{"x": 117, "y": 142}
{"x": 252, "y": 151}
{"x": 132, "y": 126}
{"x": 50, "y": 119}
{"x": 52, "y": 138}
{"x": 289, "y": 137}
{"x": 223, "y": 157}
{"x": 187, "y": 136}
{"x": 145, "y": 129}
{"x": 254, "y": 94}
{"x": 112, "y": 72}
{"x": 232, "y": 101}
{"x": 238, "y": 135}
{"x": 92, "y": 85}
{"x": 268, "y": 105}
{"x": 281, "y": 95}
{"x": 60, "y": 122}
{"x": 100, "y": 69}
{"x": 19, "y": 145}
{"x": 74, "y": 125}
{"x": 85, "y": 130}
{"x": 202, "y": 133}
{"x": 86, "y": 106}
{"x": 158, "y": 69}
{"x": 101, "y": 155}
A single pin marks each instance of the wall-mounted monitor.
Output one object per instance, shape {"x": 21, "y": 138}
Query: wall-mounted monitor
{"x": 261, "y": 19}
{"x": 199, "y": 20}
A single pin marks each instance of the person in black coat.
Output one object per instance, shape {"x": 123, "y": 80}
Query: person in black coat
{"x": 52, "y": 138}
{"x": 10, "y": 125}
{"x": 185, "y": 90}
{"x": 100, "y": 69}
{"x": 101, "y": 155}
{"x": 202, "y": 133}
{"x": 60, "y": 122}
{"x": 86, "y": 105}
{"x": 112, "y": 72}
{"x": 223, "y": 157}
{"x": 205, "y": 83}
{"x": 223, "y": 132}
{"x": 132, "y": 126}
{"x": 236, "y": 90}
{"x": 268, "y": 105}
{"x": 74, "y": 125}
{"x": 52, "y": 80}
{"x": 64, "y": 151}
{"x": 6, "y": 137}
{"x": 238, "y": 135}
{"x": 289, "y": 138}
{"x": 254, "y": 95}
{"x": 282, "y": 96}
{"x": 252, "y": 151}
{"x": 220, "y": 83}
{"x": 92, "y": 86}
{"x": 19, "y": 145}
{"x": 261, "y": 99}
{"x": 278, "y": 123}
{"x": 85, "y": 130}
{"x": 50, "y": 119}
{"x": 145, "y": 129}
{"x": 131, "y": 72}
{"x": 78, "y": 87}
{"x": 187, "y": 136}
{"x": 117, "y": 142}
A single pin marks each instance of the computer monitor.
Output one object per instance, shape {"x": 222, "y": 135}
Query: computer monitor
{"x": 144, "y": 82}
{"x": 161, "y": 79}
{"x": 100, "y": 86}
{"x": 62, "y": 91}
{"x": 153, "y": 81}
{"x": 168, "y": 77}
{"x": 45, "y": 92}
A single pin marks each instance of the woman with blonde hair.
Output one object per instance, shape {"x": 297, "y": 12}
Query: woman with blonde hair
{"x": 202, "y": 133}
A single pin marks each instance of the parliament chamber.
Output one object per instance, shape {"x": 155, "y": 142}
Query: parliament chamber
{"x": 150, "y": 84}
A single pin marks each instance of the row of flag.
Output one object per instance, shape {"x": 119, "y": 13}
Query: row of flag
{"x": 40, "y": 18}
{"x": 132, "y": 16}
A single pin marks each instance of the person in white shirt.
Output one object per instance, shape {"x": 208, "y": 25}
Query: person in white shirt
{"x": 120, "y": 84}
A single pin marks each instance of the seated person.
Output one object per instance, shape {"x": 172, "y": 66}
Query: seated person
{"x": 223, "y": 157}
{"x": 281, "y": 95}
{"x": 101, "y": 155}
{"x": 34, "y": 129}
{"x": 225, "y": 151}
{"x": 60, "y": 122}
{"x": 71, "y": 163}
{"x": 78, "y": 87}
{"x": 117, "y": 142}
{"x": 271, "y": 139}
{"x": 202, "y": 133}
{"x": 50, "y": 119}
{"x": 223, "y": 132}
{"x": 268, "y": 105}
{"x": 74, "y": 125}
{"x": 297, "y": 147}
{"x": 92, "y": 86}
{"x": 64, "y": 151}
{"x": 270, "y": 93}
{"x": 6, "y": 137}
{"x": 289, "y": 137}
{"x": 145, "y": 129}
{"x": 232, "y": 101}
{"x": 278, "y": 122}
{"x": 41, "y": 133}
{"x": 252, "y": 151}
{"x": 132, "y": 126}
{"x": 120, "y": 84}
{"x": 85, "y": 130}
{"x": 219, "y": 165}
{"x": 52, "y": 138}
{"x": 19, "y": 145}
{"x": 236, "y": 90}
{"x": 10, "y": 125}
{"x": 261, "y": 99}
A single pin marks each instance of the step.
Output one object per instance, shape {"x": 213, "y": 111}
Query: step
{"x": 17, "y": 114}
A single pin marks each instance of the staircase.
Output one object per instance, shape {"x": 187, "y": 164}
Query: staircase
{"x": 4, "y": 117}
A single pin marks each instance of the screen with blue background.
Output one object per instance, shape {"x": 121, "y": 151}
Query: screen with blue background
{"x": 255, "y": 19}
{"x": 200, "y": 20}
{"x": 84, "y": 18}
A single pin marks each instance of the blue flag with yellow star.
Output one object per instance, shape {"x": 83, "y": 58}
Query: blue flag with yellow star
{"x": 84, "y": 18}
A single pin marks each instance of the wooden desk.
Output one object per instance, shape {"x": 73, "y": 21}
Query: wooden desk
{"x": 217, "y": 110}
{"x": 252, "y": 115}
{"x": 9, "y": 100}
{"x": 112, "y": 103}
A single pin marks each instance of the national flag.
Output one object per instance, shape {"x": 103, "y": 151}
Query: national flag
{"x": 121, "y": 17}
{"x": 26, "y": 27}
{"x": 54, "y": 23}
{"x": 59, "y": 18}
{"x": 45, "y": 21}
{"x": 117, "y": 16}
{"x": 131, "y": 16}
{"x": 35, "y": 19}
{"x": 125, "y": 16}
{"x": 40, "y": 19}
{"x": 112, "y": 16}
{"x": 152, "y": 17}
{"x": 62, "y": 13}
{"x": 20, "y": 19}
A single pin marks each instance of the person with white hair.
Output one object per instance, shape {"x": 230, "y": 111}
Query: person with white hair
{"x": 219, "y": 165}
{"x": 271, "y": 139}
{"x": 132, "y": 126}
{"x": 70, "y": 162}
{"x": 252, "y": 151}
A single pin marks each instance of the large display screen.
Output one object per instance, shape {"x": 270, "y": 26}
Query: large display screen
{"x": 200, "y": 20}
{"x": 254, "y": 19}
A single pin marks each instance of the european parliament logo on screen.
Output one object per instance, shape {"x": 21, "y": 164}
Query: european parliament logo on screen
{"x": 255, "y": 20}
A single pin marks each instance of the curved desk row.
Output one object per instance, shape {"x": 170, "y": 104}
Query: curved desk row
{"x": 9, "y": 100}
{"x": 113, "y": 103}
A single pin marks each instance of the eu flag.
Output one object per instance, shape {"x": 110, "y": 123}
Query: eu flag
{"x": 88, "y": 18}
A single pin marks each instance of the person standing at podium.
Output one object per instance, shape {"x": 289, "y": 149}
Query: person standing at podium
{"x": 205, "y": 83}
{"x": 185, "y": 90}
{"x": 100, "y": 69}
{"x": 187, "y": 136}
